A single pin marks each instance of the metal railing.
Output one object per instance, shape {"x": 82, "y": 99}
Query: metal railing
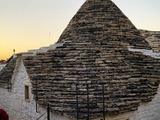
{"x": 48, "y": 113}
{"x": 88, "y": 100}
{"x": 87, "y": 94}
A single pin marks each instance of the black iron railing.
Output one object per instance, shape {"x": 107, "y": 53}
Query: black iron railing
{"x": 102, "y": 94}
{"x": 87, "y": 93}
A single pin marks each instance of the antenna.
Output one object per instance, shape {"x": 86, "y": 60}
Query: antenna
{"x": 49, "y": 37}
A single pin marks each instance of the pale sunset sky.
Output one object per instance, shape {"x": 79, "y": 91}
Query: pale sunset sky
{"x": 27, "y": 24}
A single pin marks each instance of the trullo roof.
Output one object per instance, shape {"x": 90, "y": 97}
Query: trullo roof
{"x": 95, "y": 50}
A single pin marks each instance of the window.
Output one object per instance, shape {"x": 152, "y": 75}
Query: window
{"x": 26, "y": 92}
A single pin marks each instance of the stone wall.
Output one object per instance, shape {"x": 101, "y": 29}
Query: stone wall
{"x": 148, "y": 111}
{"x": 15, "y": 104}
{"x": 153, "y": 38}
{"x": 7, "y": 72}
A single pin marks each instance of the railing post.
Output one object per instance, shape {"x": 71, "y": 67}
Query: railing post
{"x": 9, "y": 85}
{"x": 48, "y": 112}
{"x": 88, "y": 100}
{"x": 36, "y": 97}
{"x": 103, "y": 101}
{"x": 77, "y": 101}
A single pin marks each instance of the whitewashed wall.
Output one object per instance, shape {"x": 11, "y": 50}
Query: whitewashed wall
{"x": 14, "y": 102}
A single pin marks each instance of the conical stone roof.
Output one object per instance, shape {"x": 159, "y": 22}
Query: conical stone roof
{"x": 95, "y": 51}
{"x": 101, "y": 21}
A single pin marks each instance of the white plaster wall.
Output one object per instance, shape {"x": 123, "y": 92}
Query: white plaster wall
{"x": 14, "y": 102}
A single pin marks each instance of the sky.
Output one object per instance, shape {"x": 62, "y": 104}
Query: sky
{"x": 31, "y": 24}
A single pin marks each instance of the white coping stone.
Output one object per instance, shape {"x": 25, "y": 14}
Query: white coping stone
{"x": 146, "y": 52}
{"x": 43, "y": 49}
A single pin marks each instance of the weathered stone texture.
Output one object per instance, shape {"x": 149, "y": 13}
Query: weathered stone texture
{"x": 92, "y": 50}
{"x": 7, "y": 72}
{"x": 14, "y": 102}
{"x": 102, "y": 21}
{"x": 95, "y": 49}
{"x": 153, "y": 38}
{"x": 149, "y": 110}
{"x": 2, "y": 66}
{"x": 129, "y": 79}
